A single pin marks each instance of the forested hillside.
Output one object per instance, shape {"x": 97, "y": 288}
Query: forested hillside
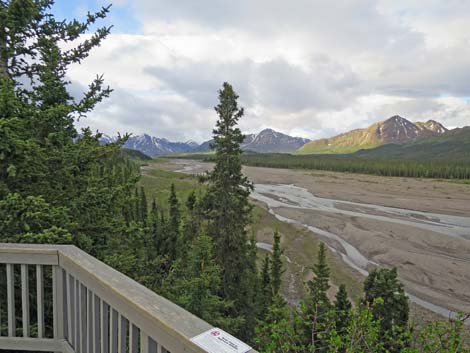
{"x": 59, "y": 186}
{"x": 416, "y": 168}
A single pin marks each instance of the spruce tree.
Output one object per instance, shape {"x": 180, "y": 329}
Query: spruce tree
{"x": 265, "y": 294}
{"x": 227, "y": 207}
{"x": 386, "y": 297}
{"x": 143, "y": 206}
{"x": 43, "y": 158}
{"x": 342, "y": 310}
{"x": 154, "y": 224}
{"x": 191, "y": 201}
{"x": 173, "y": 227}
{"x": 276, "y": 264}
{"x": 317, "y": 308}
{"x": 137, "y": 212}
{"x": 192, "y": 223}
{"x": 320, "y": 284}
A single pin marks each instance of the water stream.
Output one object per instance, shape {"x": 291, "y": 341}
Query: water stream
{"x": 291, "y": 196}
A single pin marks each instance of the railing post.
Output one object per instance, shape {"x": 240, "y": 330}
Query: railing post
{"x": 58, "y": 302}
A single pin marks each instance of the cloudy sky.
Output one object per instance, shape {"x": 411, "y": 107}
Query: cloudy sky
{"x": 310, "y": 68}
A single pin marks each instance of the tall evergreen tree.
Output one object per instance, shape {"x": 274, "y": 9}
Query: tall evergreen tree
{"x": 342, "y": 310}
{"x": 276, "y": 264}
{"x": 265, "y": 294}
{"x": 192, "y": 224}
{"x": 155, "y": 227}
{"x": 227, "y": 207}
{"x": 43, "y": 160}
{"x": 317, "y": 308}
{"x": 173, "y": 227}
{"x": 56, "y": 185}
{"x": 137, "y": 212}
{"x": 386, "y": 297}
{"x": 143, "y": 207}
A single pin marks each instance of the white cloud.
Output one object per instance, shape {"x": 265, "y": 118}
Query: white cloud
{"x": 310, "y": 68}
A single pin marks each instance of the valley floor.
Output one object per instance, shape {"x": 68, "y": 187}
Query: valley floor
{"x": 420, "y": 226}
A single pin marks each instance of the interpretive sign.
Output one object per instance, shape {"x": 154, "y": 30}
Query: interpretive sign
{"x": 216, "y": 340}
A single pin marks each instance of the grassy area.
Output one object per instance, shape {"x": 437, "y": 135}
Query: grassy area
{"x": 157, "y": 184}
{"x": 188, "y": 154}
{"x": 317, "y": 148}
{"x": 301, "y": 247}
{"x": 455, "y": 181}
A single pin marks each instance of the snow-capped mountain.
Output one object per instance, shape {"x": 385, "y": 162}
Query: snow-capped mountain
{"x": 154, "y": 146}
{"x": 431, "y": 126}
{"x": 107, "y": 139}
{"x": 267, "y": 140}
{"x": 395, "y": 130}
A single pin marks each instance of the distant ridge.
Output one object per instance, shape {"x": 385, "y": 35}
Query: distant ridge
{"x": 451, "y": 144}
{"x": 396, "y": 130}
{"x": 266, "y": 141}
{"x": 153, "y": 146}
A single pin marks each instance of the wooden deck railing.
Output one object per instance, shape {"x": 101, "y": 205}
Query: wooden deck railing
{"x": 95, "y": 309}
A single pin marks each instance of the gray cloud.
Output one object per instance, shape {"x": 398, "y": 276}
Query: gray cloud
{"x": 306, "y": 66}
{"x": 324, "y": 85}
{"x": 199, "y": 81}
{"x": 275, "y": 84}
{"x": 161, "y": 116}
{"x": 353, "y": 23}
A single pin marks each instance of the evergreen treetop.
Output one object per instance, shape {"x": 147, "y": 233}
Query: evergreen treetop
{"x": 227, "y": 207}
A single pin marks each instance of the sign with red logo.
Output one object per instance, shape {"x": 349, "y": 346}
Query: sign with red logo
{"x": 216, "y": 340}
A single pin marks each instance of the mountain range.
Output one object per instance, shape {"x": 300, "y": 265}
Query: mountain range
{"x": 153, "y": 146}
{"x": 395, "y": 130}
{"x": 265, "y": 141}
{"x": 395, "y": 137}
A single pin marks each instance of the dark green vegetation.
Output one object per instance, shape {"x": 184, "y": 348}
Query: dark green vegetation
{"x": 136, "y": 155}
{"x": 356, "y": 163}
{"x": 57, "y": 187}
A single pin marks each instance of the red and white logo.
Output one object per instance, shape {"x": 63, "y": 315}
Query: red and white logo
{"x": 215, "y": 333}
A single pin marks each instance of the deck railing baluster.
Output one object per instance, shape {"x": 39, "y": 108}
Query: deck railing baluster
{"x": 133, "y": 338}
{"x": 25, "y": 300}
{"x": 96, "y": 324}
{"x": 11, "y": 300}
{"x": 58, "y": 302}
{"x": 104, "y": 310}
{"x": 144, "y": 342}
